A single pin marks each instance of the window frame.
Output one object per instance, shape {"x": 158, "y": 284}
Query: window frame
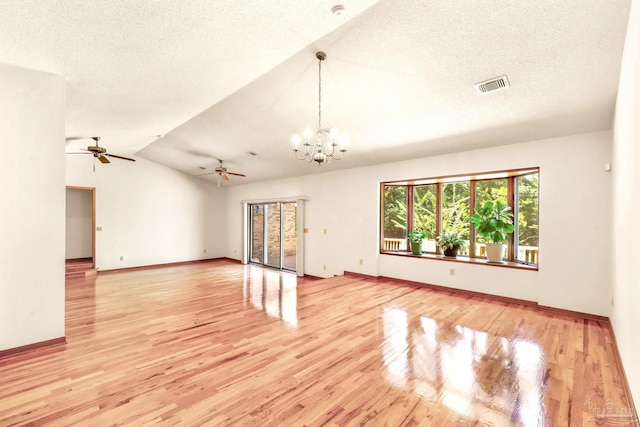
{"x": 510, "y": 175}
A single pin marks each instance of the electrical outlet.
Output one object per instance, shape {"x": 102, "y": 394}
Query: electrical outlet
{"x": 324, "y": 267}
{"x": 121, "y": 258}
{"x": 99, "y": 228}
{"x": 452, "y": 272}
{"x": 204, "y": 251}
{"x": 361, "y": 261}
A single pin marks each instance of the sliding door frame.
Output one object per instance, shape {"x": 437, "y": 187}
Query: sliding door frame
{"x": 246, "y": 229}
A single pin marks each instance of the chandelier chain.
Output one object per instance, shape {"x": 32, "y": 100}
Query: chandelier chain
{"x": 319, "y": 94}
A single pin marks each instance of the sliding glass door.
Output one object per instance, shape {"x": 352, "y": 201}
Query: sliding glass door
{"x": 272, "y": 234}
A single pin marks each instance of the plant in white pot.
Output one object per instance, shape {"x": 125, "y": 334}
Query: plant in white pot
{"x": 415, "y": 239}
{"x": 494, "y": 222}
{"x": 450, "y": 242}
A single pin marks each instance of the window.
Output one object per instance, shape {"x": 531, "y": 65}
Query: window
{"x": 435, "y": 205}
{"x": 424, "y": 214}
{"x": 394, "y": 228}
{"x": 455, "y": 210}
{"x": 489, "y": 190}
{"x": 526, "y": 245}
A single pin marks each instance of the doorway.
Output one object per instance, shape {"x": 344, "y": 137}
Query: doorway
{"x": 273, "y": 234}
{"x": 80, "y": 233}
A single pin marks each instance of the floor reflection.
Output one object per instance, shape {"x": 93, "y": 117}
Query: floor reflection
{"x": 272, "y": 291}
{"x": 480, "y": 377}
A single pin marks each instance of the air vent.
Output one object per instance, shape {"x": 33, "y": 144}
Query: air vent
{"x": 491, "y": 85}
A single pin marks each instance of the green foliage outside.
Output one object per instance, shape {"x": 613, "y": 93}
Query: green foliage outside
{"x": 395, "y": 212}
{"x": 455, "y": 212}
{"x": 424, "y": 209}
{"x": 528, "y": 210}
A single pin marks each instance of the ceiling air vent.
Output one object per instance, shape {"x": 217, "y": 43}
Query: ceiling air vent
{"x": 492, "y": 84}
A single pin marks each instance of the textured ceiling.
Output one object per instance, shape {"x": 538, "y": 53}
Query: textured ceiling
{"x": 220, "y": 79}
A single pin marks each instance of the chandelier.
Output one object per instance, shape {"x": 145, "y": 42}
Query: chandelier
{"x": 323, "y": 147}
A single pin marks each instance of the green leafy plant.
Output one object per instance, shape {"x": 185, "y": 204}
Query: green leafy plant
{"x": 493, "y": 221}
{"x": 417, "y": 236}
{"x": 450, "y": 239}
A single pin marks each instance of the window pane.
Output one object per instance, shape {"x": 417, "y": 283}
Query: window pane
{"x": 527, "y": 212}
{"x": 424, "y": 214}
{"x": 394, "y": 231}
{"x": 257, "y": 233}
{"x": 455, "y": 210}
{"x": 489, "y": 190}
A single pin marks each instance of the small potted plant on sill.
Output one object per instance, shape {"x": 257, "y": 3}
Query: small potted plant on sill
{"x": 494, "y": 222}
{"x": 415, "y": 239}
{"x": 450, "y": 242}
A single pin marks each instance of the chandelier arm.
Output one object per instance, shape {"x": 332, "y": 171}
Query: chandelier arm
{"x": 336, "y": 156}
{"x": 304, "y": 157}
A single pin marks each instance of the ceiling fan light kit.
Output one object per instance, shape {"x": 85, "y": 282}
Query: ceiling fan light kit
{"x": 324, "y": 146}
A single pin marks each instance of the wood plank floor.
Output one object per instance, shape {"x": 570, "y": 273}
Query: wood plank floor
{"x": 221, "y": 344}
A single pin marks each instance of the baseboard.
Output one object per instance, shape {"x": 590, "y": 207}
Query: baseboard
{"x": 360, "y": 275}
{"x": 465, "y": 292}
{"x": 34, "y": 346}
{"x": 168, "y": 264}
{"x": 572, "y": 313}
{"x": 623, "y": 375}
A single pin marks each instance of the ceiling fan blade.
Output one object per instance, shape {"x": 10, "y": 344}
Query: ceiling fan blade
{"x": 237, "y": 174}
{"x": 88, "y": 152}
{"x": 208, "y": 173}
{"x": 103, "y": 159}
{"x": 120, "y": 157}
{"x": 225, "y": 177}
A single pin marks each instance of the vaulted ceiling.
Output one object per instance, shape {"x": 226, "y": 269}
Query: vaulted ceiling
{"x": 185, "y": 83}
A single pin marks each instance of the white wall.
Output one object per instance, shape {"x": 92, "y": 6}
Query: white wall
{"x": 150, "y": 214}
{"x": 32, "y": 194}
{"x": 626, "y": 232}
{"x": 79, "y": 220}
{"x": 571, "y": 276}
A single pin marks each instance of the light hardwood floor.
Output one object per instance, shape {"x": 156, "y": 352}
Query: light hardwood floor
{"x": 223, "y": 344}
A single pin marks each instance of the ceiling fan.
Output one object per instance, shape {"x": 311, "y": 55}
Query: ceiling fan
{"x": 222, "y": 173}
{"x": 98, "y": 152}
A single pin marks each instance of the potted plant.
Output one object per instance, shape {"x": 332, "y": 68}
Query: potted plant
{"x": 450, "y": 242}
{"x": 494, "y": 222}
{"x": 415, "y": 239}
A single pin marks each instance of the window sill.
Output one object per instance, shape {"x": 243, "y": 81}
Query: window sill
{"x": 465, "y": 260}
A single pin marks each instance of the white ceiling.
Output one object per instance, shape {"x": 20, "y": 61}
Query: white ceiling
{"x": 220, "y": 79}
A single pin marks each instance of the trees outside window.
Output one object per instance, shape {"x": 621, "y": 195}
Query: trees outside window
{"x": 425, "y": 215}
{"x": 394, "y": 214}
{"x": 526, "y": 212}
